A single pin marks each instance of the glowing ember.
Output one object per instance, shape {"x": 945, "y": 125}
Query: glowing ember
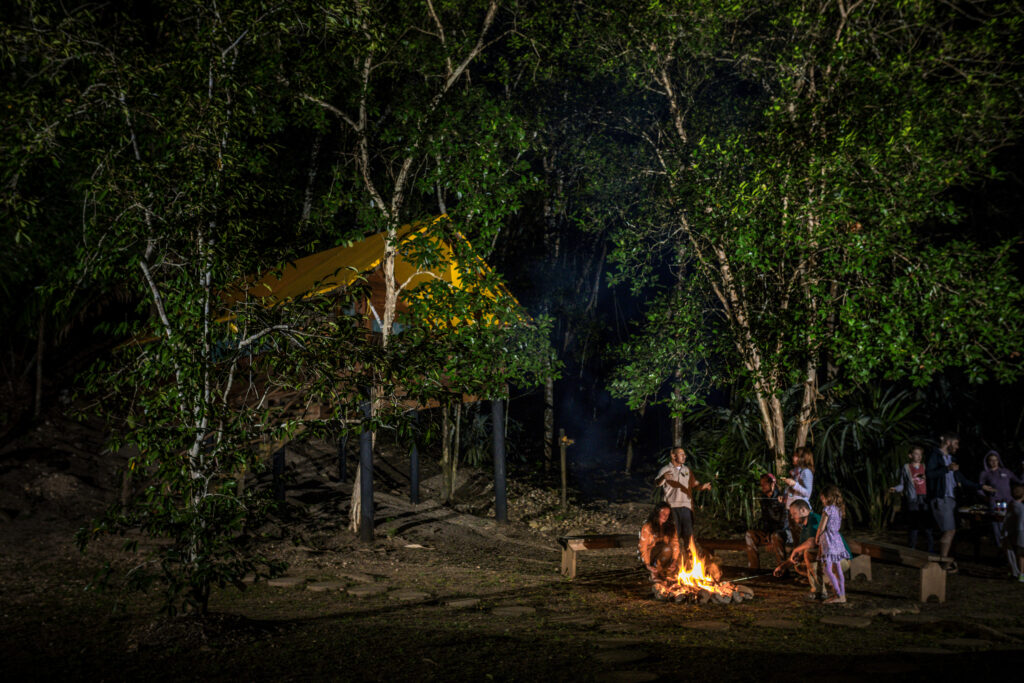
{"x": 700, "y": 582}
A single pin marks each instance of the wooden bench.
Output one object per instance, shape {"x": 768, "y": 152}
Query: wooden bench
{"x": 572, "y": 545}
{"x": 932, "y": 575}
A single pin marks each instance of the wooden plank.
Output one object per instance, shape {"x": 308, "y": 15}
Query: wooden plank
{"x": 933, "y": 582}
{"x": 569, "y": 563}
{"x": 860, "y": 565}
{"x": 599, "y": 541}
{"x": 724, "y": 544}
{"x": 887, "y": 552}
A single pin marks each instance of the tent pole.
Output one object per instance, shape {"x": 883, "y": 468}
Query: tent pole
{"x": 366, "y": 475}
{"x": 498, "y": 434}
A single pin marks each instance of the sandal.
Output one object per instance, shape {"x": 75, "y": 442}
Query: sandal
{"x": 835, "y": 600}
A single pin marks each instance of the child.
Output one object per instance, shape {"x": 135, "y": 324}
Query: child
{"x": 801, "y": 478}
{"x": 831, "y": 550}
{"x": 913, "y": 487}
{"x": 1013, "y": 527}
{"x": 799, "y": 484}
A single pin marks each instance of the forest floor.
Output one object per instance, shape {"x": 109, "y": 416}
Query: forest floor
{"x": 445, "y": 593}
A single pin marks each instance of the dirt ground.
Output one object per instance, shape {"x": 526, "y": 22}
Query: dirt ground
{"x": 451, "y": 595}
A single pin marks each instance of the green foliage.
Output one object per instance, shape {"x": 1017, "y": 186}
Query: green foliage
{"x": 472, "y": 338}
{"x": 668, "y": 350}
{"x": 860, "y": 441}
{"x": 802, "y": 160}
{"x": 169, "y": 143}
{"x": 728, "y": 450}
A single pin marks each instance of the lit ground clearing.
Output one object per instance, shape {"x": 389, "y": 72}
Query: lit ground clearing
{"x": 446, "y": 593}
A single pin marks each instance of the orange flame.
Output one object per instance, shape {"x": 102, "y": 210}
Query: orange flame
{"x": 697, "y": 576}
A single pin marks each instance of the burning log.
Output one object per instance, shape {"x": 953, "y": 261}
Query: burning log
{"x": 700, "y": 581}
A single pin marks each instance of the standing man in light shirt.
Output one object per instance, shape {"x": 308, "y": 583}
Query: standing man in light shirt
{"x": 678, "y": 484}
{"x": 942, "y": 475}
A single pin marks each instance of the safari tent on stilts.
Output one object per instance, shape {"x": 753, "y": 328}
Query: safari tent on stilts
{"x": 424, "y": 259}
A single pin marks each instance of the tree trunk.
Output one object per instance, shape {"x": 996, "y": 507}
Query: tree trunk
{"x": 807, "y": 403}
{"x": 446, "y": 455}
{"x": 456, "y": 449}
{"x": 37, "y": 405}
{"x": 766, "y": 390}
{"x": 677, "y": 420}
{"x": 776, "y": 428}
{"x": 355, "y": 507}
{"x": 549, "y": 421}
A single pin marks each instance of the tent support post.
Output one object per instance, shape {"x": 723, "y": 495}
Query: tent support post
{"x": 498, "y": 434}
{"x": 277, "y": 468}
{"x": 343, "y": 457}
{"x": 366, "y": 476}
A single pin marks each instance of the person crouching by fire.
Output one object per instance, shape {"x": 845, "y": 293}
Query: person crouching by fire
{"x": 804, "y": 557}
{"x": 659, "y": 544}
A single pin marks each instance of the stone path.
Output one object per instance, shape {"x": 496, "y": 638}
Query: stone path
{"x": 972, "y": 644}
{"x": 367, "y": 589}
{"x": 513, "y": 611}
{"x": 584, "y": 622}
{"x": 462, "y": 603}
{"x": 408, "y": 595}
{"x": 921, "y": 650}
{"x": 849, "y": 622}
{"x": 622, "y": 628}
{"x": 706, "y": 625}
{"x": 617, "y": 643}
{"x": 619, "y": 656}
{"x": 286, "y": 581}
{"x": 784, "y": 624}
{"x": 324, "y": 586}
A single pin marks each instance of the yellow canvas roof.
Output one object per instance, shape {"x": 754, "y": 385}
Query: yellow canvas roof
{"x": 328, "y": 270}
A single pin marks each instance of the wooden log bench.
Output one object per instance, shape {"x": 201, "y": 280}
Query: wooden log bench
{"x": 572, "y": 545}
{"x": 932, "y": 575}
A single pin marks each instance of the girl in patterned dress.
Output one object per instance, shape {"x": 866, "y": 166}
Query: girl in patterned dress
{"x": 831, "y": 551}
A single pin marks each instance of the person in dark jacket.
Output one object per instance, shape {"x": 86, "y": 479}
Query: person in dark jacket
{"x": 942, "y": 477}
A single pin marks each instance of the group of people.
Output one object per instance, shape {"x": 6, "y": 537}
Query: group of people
{"x": 816, "y": 547}
{"x": 930, "y": 490}
{"x": 818, "y": 552}
{"x": 665, "y": 536}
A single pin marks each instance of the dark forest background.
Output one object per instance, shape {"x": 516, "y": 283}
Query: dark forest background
{"x": 742, "y": 228}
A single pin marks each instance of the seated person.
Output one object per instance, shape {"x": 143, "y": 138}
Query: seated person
{"x": 804, "y": 557}
{"x": 659, "y": 545}
{"x": 772, "y": 531}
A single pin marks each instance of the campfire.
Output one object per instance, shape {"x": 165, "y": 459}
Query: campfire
{"x": 699, "y": 581}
